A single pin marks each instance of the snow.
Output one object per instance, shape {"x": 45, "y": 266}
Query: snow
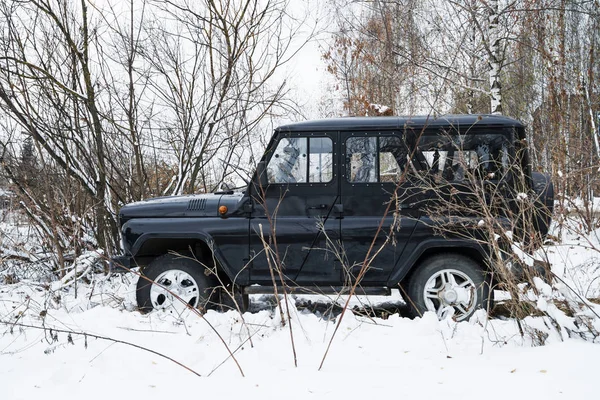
{"x": 379, "y": 108}
{"x": 573, "y": 205}
{"x": 576, "y": 259}
{"x": 378, "y": 360}
{"x": 421, "y": 358}
{"x": 370, "y": 357}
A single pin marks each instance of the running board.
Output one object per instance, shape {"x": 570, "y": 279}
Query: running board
{"x": 342, "y": 290}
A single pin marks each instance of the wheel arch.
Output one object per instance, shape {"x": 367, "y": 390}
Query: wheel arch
{"x": 150, "y": 246}
{"x": 429, "y": 249}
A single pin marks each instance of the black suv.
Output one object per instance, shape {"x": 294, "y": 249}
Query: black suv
{"x": 338, "y": 203}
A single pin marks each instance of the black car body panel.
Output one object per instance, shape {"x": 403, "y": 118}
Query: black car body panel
{"x": 463, "y": 122}
{"x": 327, "y": 205}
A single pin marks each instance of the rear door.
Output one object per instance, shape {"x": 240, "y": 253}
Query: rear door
{"x": 379, "y": 206}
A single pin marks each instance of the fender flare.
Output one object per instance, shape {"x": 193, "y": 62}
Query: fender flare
{"x": 197, "y": 236}
{"x": 437, "y": 245}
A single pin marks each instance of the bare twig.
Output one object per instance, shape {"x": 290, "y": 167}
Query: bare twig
{"x": 85, "y": 334}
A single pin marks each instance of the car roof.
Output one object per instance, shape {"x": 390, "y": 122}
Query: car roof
{"x": 361, "y": 123}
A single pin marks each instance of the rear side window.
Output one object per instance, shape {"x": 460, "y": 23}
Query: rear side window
{"x": 448, "y": 156}
{"x": 455, "y": 158}
{"x": 302, "y": 160}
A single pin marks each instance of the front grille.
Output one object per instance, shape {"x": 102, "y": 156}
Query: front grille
{"x": 197, "y": 204}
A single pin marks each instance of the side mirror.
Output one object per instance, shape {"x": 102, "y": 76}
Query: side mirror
{"x": 261, "y": 173}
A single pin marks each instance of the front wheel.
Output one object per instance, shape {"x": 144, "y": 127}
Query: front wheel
{"x": 448, "y": 283}
{"x": 172, "y": 283}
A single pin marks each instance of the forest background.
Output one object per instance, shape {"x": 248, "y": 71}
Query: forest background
{"x": 105, "y": 103}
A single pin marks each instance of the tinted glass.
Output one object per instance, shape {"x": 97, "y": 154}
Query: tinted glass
{"x": 302, "y": 160}
{"x": 375, "y": 159}
{"x": 455, "y": 158}
{"x": 361, "y": 159}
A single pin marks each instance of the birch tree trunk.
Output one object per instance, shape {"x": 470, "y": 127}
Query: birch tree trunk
{"x": 495, "y": 62}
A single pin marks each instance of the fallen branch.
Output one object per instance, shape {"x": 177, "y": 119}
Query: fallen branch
{"x": 85, "y": 334}
{"x": 16, "y": 255}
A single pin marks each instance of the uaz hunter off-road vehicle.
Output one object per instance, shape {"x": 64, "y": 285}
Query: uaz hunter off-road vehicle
{"x": 337, "y": 200}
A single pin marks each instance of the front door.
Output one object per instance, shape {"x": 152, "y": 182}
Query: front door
{"x": 294, "y": 215}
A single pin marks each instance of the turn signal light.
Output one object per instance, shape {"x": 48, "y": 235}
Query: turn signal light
{"x": 223, "y": 210}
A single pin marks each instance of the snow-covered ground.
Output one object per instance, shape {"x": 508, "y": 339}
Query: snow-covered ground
{"x": 420, "y": 358}
{"x": 370, "y": 357}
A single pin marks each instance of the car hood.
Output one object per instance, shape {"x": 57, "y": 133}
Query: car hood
{"x": 201, "y": 205}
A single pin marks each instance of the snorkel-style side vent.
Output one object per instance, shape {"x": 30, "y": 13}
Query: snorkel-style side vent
{"x": 197, "y": 204}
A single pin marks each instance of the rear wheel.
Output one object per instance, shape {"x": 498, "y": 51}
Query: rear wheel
{"x": 448, "y": 283}
{"x": 172, "y": 283}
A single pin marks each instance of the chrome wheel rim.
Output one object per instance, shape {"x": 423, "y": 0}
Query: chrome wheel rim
{"x": 450, "y": 290}
{"x": 174, "y": 290}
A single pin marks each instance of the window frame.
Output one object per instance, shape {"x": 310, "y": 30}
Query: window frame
{"x": 308, "y": 136}
{"x": 377, "y": 135}
{"x": 475, "y": 135}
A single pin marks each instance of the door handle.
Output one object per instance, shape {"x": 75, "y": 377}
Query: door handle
{"x": 319, "y": 207}
{"x": 339, "y": 210}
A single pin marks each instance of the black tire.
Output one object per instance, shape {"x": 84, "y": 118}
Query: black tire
{"x": 467, "y": 291}
{"x": 181, "y": 275}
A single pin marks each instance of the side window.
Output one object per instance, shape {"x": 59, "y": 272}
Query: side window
{"x": 454, "y": 158}
{"x": 375, "y": 159}
{"x": 361, "y": 159}
{"x": 392, "y": 159}
{"x": 320, "y": 167}
{"x": 302, "y": 160}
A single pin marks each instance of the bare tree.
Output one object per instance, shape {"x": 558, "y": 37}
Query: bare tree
{"x": 48, "y": 85}
{"x": 365, "y": 57}
{"x": 213, "y": 72}
{"x": 120, "y": 109}
{"x": 535, "y": 61}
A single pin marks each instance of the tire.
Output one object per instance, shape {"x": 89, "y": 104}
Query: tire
{"x": 448, "y": 283}
{"x": 170, "y": 275}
